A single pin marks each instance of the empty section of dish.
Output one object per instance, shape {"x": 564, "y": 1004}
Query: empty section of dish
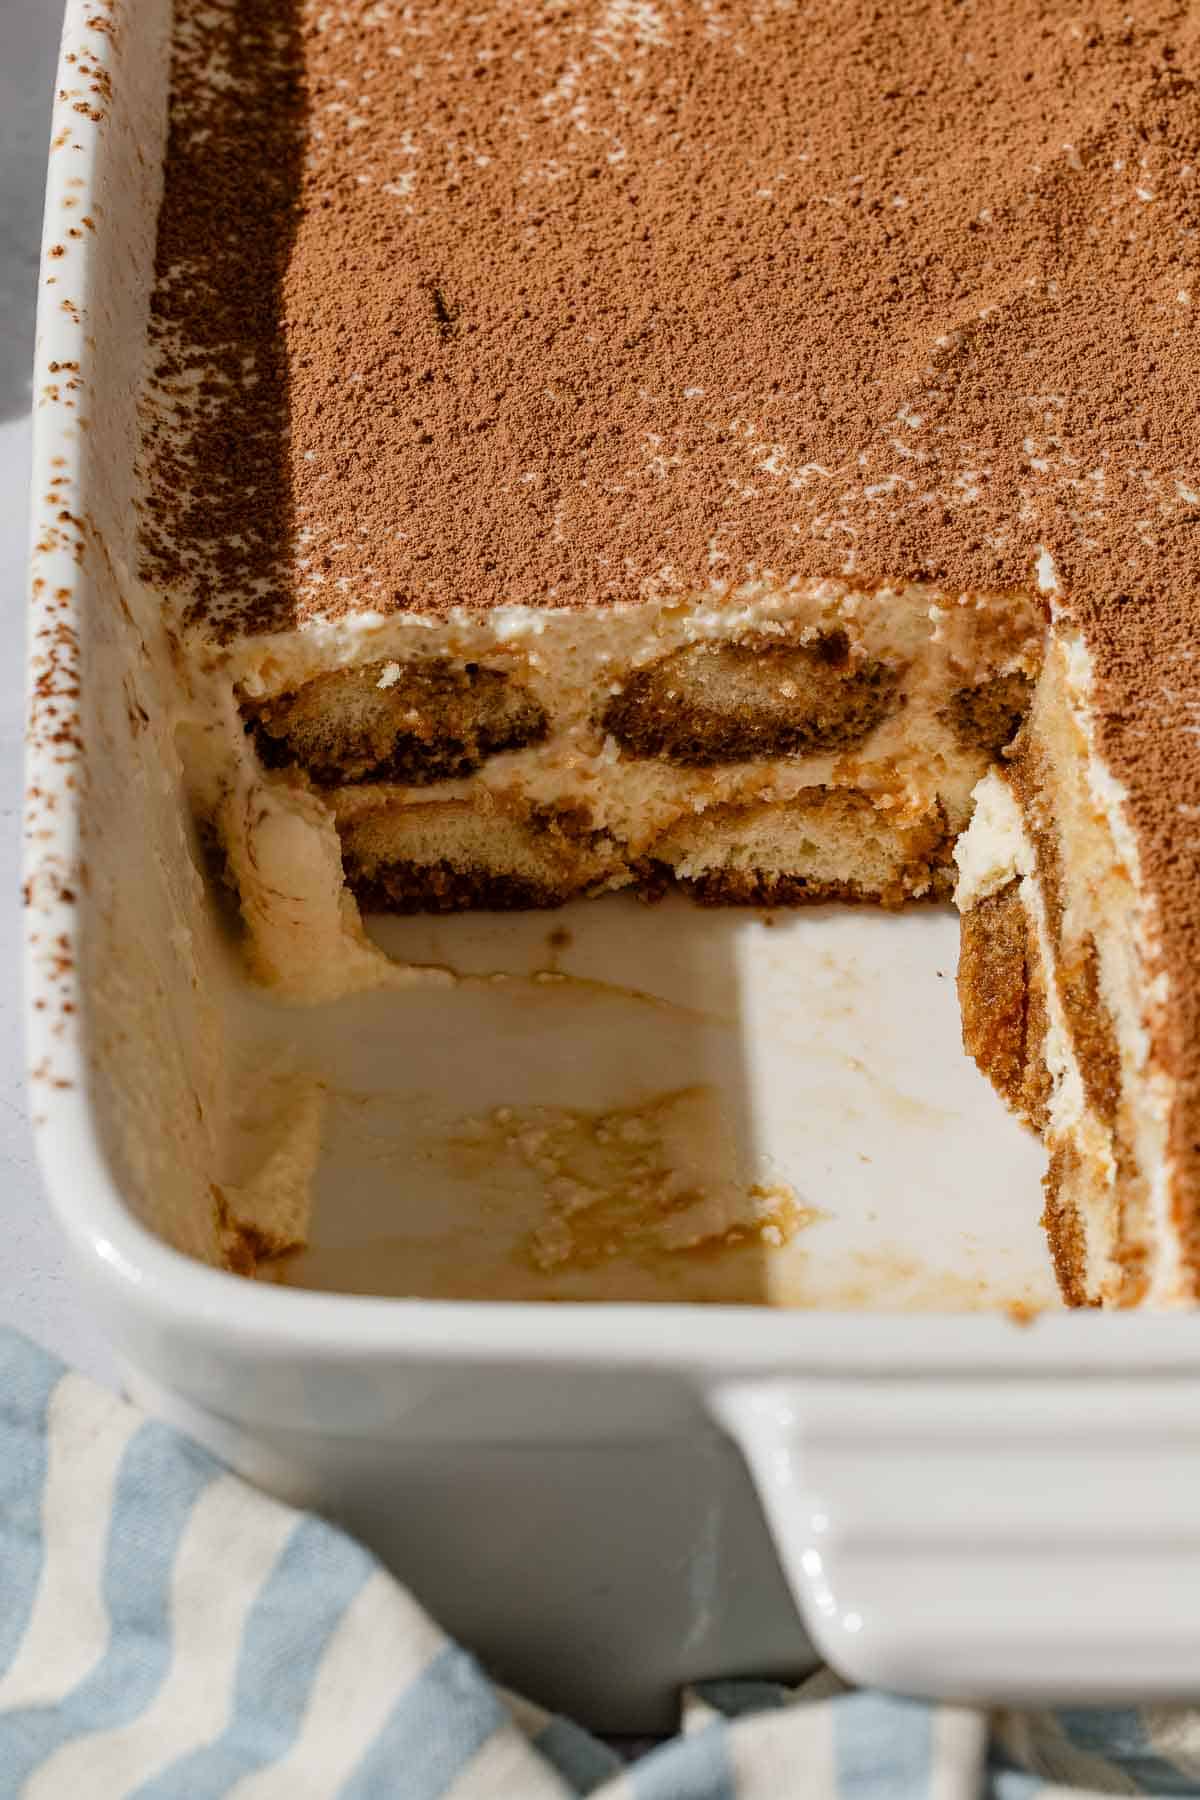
{"x": 660, "y": 1103}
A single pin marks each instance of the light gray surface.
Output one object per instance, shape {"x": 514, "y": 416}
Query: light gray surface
{"x": 35, "y": 1293}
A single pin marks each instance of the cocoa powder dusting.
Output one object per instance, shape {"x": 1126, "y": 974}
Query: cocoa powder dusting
{"x": 571, "y": 303}
{"x": 567, "y": 302}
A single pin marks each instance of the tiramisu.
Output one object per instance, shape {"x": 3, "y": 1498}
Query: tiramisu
{"x": 618, "y": 443}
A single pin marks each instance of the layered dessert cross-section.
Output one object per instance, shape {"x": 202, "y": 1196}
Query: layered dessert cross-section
{"x": 1063, "y": 991}
{"x": 775, "y": 747}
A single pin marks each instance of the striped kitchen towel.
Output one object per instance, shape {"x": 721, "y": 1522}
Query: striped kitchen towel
{"x": 169, "y": 1633}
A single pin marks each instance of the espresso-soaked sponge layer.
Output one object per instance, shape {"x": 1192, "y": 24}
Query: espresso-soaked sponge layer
{"x": 429, "y": 720}
{"x": 413, "y": 722}
{"x": 1002, "y": 997}
{"x": 718, "y": 703}
{"x": 823, "y": 844}
{"x": 915, "y": 679}
{"x": 449, "y": 856}
{"x": 988, "y": 715}
{"x": 1002, "y": 990}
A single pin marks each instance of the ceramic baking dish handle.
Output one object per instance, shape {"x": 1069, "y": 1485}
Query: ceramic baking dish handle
{"x": 1024, "y": 1539}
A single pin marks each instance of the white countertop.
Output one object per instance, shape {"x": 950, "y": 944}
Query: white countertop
{"x": 35, "y": 1292}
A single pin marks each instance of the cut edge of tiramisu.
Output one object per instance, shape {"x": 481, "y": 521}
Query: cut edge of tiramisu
{"x": 1063, "y": 989}
{"x": 578, "y": 455}
{"x": 764, "y": 746}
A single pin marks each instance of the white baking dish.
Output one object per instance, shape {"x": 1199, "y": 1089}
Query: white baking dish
{"x": 597, "y": 1497}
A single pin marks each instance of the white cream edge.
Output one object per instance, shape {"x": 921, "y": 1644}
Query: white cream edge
{"x": 1169, "y": 1282}
{"x": 305, "y": 938}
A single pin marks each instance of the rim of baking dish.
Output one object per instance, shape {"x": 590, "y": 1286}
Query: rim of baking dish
{"x": 120, "y": 1255}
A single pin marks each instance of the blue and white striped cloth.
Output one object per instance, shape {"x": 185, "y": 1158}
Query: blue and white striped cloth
{"x": 167, "y": 1632}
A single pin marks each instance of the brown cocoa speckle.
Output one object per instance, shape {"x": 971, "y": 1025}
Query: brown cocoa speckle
{"x": 744, "y": 344}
